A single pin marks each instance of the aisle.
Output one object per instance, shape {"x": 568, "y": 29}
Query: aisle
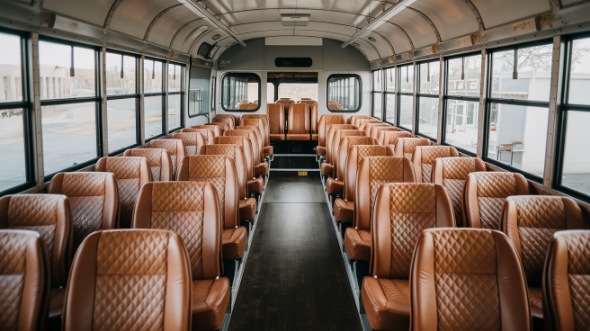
{"x": 295, "y": 277}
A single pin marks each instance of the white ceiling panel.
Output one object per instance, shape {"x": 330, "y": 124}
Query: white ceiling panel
{"x": 94, "y": 12}
{"x": 398, "y": 38}
{"x": 497, "y": 12}
{"x": 134, "y": 16}
{"x": 165, "y": 27}
{"x": 187, "y": 35}
{"x": 452, "y": 18}
{"x": 416, "y": 26}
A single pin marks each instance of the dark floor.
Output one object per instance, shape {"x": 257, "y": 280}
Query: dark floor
{"x": 295, "y": 277}
{"x": 294, "y": 162}
{"x": 294, "y": 147}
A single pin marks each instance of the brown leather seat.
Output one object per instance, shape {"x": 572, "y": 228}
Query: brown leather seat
{"x": 247, "y": 205}
{"x": 298, "y": 125}
{"x": 217, "y": 131}
{"x": 565, "y": 281}
{"x": 175, "y": 149}
{"x": 360, "y": 123}
{"x": 132, "y": 173}
{"x": 264, "y": 128}
{"x": 207, "y": 133}
{"x": 255, "y": 184}
{"x": 129, "y": 279}
{"x": 260, "y": 168}
{"x": 313, "y": 117}
{"x": 276, "y": 121}
{"x": 221, "y": 172}
{"x": 192, "y": 141}
{"x": 335, "y": 150}
{"x": 406, "y": 146}
{"x": 375, "y": 132}
{"x": 424, "y": 157}
{"x": 335, "y": 186}
{"x": 24, "y": 279}
{"x": 352, "y": 119}
{"x": 226, "y": 118}
{"x": 327, "y": 168}
{"x": 467, "y": 279}
{"x": 344, "y": 207}
{"x": 451, "y": 172}
{"x": 94, "y": 201}
{"x": 530, "y": 221}
{"x": 258, "y": 135}
{"x": 368, "y": 126}
{"x": 158, "y": 160}
{"x": 193, "y": 211}
{"x": 222, "y": 125}
{"x": 325, "y": 121}
{"x": 402, "y": 211}
{"x": 390, "y": 137}
{"x": 373, "y": 172}
{"x": 485, "y": 193}
{"x": 212, "y": 129}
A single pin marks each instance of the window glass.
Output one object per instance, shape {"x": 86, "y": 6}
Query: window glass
{"x": 66, "y": 71}
{"x": 464, "y": 76}
{"x": 406, "y": 111}
{"x": 240, "y": 91}
{"x": 429, "y": 77}
{"x": 461, "y": 124}
{"x": 297, "y": 91}
{"x": 344, "y": 93}
{"x": 69, "y": 135}
{"x": 270, "y": 92}
{"x": 377, "y": 80}
{"x": 580, "y": 72}
{"x": 152, "y": 76}
{"x": 10, "y": 69}
{"x": 390, "y": 108}
{"x": 576, "y": 159}
{"x": 122, "y": 123}
{"x": 377, "y": 105}
{"x": 517, "y": 136}
{"x": 121, "y": 74}
{"x": 428, "y": 117}
{"x": 390, "y": 79}
{"x": 174, "y": 77}
{"x": 529, "y": 79}
{"x": 153, "y": 116}
{"x": 12, "y": 148}
{"x": 174, "y": 111}
{"x": 407, "y": 78}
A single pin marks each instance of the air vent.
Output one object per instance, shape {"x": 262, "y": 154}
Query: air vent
{"x": 295, "y": 19}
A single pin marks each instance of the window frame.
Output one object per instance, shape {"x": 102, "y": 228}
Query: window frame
{"x": 489, "y": 101}
{"x": 387, "y": 93}
{"x": 564, "y": 108}
{"x": 377, "y": 90}
{"x": 360, "y": 94}
{"x": 136, "y": 96}
{"x": 419, "y": 95}
{"x": 228, "y": 74}
{"x": 162, "y": 94}
{"x": 26, "y": 105}
{"x": 400, "y": 94}
{"x": 447, "y": 97}
{"x": 97, "y": 100}
{"x": 180, "y": 92}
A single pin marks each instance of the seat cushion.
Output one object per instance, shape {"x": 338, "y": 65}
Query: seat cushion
{"x": 320, "y": 150}
{"x": 334, "y": 187}
{"x": 277, "y": 136}
{"x": 358, "y": 244}
{"x": 327, "y": 169}
{"x": 57, "y": 297}
{"x": 314, "y": 136}
{"x": 386, "y": 303}
{"x": 268, "y": 150}
{"x": 536, "y": 301}
{"x": 343, "y": 211}
{"x": 247, "y": 209}
{"x": 256, "y": 186}
{"x": 298, "y": 136}
{"x": 210, "y": 298}
{"x": 234, "y": 242}
{"x": 261, "y": 169}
